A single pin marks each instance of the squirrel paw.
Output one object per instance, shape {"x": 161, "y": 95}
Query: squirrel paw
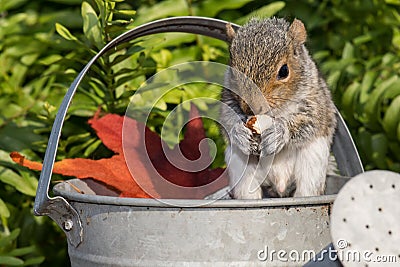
{"x": 273, "y": 139}
{"x": 243, "y": 138}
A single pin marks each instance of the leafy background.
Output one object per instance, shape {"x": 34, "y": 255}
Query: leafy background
{"x": 44, "y": 44}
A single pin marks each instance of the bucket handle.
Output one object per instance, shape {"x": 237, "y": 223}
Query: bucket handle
{"x": 58, "y": 207}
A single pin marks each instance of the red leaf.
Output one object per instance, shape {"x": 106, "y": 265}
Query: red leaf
{"x": 140, "y": 167}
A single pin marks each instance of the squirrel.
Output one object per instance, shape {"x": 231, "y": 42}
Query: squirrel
{"x": 277, "y": 113}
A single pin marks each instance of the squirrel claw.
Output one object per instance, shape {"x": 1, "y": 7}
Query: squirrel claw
{"x": 273, "y": 139}
{"x": 243, "y": 138}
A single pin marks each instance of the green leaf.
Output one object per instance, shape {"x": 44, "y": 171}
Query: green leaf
{"x": 81, "y": 147}
{"x": 173, "y": 96}
{"x": 367, "y": 83}
{"x": 21, "y": 251}
{"x": 363, "y": 38}
{"x": 10, "y": 261}
{"x": 4, "y": 212}
{"x": 348, "y": 51}
{"x": 263, "y": 12}
{"x": 160, "y": 10}
{"x": 34, "y": 261}
{"x": 64, "y": 32}
{"x": 7, "y": 5}
{"x": 393, "y": 90}
{"x": 372, "y": 106}
{"x": 389, "y": 59}
{"x": 321, "y": 55}
{"x": 338, "y": 65}
{"x": 25, "y": 183}
{"x": 76, "y": 138}
{"x": 7, "y": 239}
{"x": 29, "y": 59}
{"x": 349, "y": 100}
{"x": 163, "y": 57}
{"x": 210, "y": 8}
{"x": 163, "y": 40}
{"x": 393, "y": 2}
{"x": 98, "y": 87}
{"x": 124, "y": 71}
{"x": 184, "y": 54}
{"x": 132, "y": 50}
{"x": 379, "y": 144}
{"x": 91, "y": 148}
{"x": 91, "y": 25}
{"x": 124, "y": 12}
{"x": 391, "y": 119}
{"x": 373, "y": 62}
{"x": 50, "y": 59}
{"x": 396, "y": 38}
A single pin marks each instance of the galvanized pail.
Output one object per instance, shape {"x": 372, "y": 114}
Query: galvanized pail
{"x": 111, "y": 231}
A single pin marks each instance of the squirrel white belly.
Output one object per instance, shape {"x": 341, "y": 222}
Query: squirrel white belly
{"x": 278, "y": 115}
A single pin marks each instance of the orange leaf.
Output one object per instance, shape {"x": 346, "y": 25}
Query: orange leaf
{"x": 140, "y": 166}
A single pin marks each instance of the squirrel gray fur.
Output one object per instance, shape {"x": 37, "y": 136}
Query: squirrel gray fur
{"x": 290, "y": 157}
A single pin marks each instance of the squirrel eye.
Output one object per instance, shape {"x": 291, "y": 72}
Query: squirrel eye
{"x": 283, "y": 72}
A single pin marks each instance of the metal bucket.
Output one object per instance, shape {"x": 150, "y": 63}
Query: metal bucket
{"x": 105, "y": 230}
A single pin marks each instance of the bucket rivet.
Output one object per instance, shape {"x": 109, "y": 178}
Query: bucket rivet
{"x": 68, "y": 224}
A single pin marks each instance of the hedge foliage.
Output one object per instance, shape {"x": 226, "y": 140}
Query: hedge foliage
{"x": 44, "y": 44}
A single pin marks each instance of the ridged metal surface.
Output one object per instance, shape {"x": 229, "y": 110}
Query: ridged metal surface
{"x": 222, "y": 233}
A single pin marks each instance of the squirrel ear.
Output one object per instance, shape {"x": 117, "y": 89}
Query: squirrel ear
{"x": 230, "y": 32}
{"x": 298, "y": 32}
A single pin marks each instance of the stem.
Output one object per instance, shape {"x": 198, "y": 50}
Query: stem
{"x": 110, "y": 79}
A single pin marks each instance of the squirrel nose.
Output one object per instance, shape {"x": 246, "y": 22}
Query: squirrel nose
{"x": 254, "y": 108}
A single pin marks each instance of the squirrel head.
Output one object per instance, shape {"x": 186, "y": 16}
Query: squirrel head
{"x": 271, "y": 53}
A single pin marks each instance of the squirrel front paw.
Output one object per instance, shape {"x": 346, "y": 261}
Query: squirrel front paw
{"x": 273, "y": 138}
{"x": 243, "y": 138}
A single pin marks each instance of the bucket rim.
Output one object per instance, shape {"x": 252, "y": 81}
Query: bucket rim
{"x": 62, "y": 189}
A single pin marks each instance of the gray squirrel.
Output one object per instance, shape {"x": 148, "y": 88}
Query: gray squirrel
{"x": 277, "y": 113}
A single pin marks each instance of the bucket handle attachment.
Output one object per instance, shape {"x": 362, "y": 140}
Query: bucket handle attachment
{"x": 58, "y": 208}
